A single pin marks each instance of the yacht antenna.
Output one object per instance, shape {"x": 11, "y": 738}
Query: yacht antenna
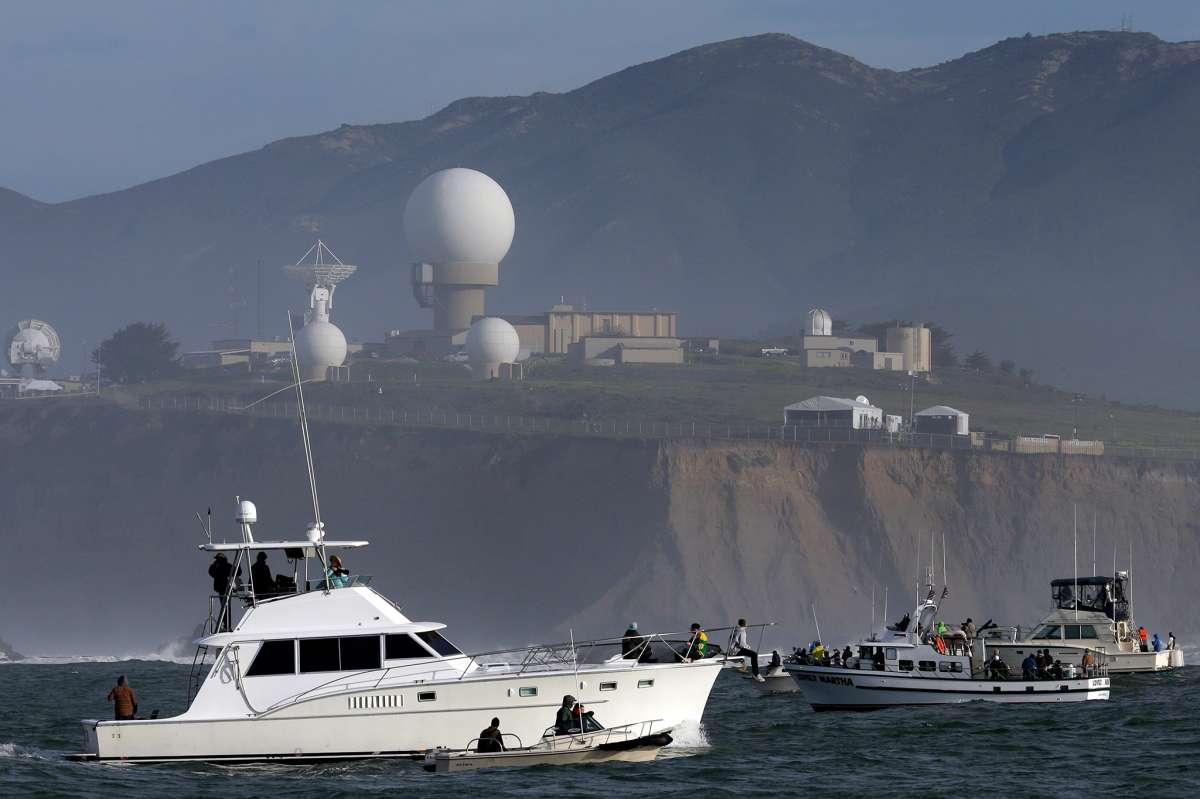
{"x": 308, "y": 459}
{"x": 818, "y": 625}
{"x": 1131, "y": 616}
{"x": 917, "y": 558}
{"x": 884, "y": 606}
{"x": 945, "y": 579}
{"x": 873, "y": 610}
{"x": 206, "y": 530}
{"x": 1075, "y": 558}
{"x": 1093, "y": 542}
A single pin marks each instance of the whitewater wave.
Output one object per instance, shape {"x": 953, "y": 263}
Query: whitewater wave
{"x": 12, "y": 750}
{"x": 689, "y": 739}
{"x": 60, "y": 660}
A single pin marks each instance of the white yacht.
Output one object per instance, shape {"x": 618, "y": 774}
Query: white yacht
{"x": 321, "y": 672}
{"x": 1090, "y": 613}
{"x": 906, "y": 664}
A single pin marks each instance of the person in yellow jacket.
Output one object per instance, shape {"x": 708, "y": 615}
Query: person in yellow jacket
{"x": 817, "y": 653}
{"x": 698, "y": 645}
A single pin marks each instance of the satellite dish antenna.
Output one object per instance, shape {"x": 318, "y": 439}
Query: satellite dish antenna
{"x": 320, "y": 344}
{"x": 862, "y": 400}
{"x": 33, "y": 343}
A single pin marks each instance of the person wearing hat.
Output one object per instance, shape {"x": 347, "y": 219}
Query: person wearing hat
{"x": 221, "y": 572}
{"x": 631, "y": 642}
{"x": 260, "y": 577}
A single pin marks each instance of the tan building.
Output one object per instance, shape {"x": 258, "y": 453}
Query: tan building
{"x": 624, "y": 350}
{"x": 838, "y": 342}
{"x": 563, "y": 325}
{"x": 819, "y": 359}
{"x": 886, "y": 361}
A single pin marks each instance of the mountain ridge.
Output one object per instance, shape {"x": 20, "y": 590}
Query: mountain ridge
{"x": 1044, "y": 178}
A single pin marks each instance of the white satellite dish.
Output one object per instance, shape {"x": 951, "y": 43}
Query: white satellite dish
{"x": 861, "y": 400}
{"x": 33, "y": 343}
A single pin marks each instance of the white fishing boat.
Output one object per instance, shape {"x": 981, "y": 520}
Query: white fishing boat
{"x": 1090, "y": 614}
{"x": 631, "y": 743}
{"x": 320, "y": 666}
{"x": 907, "y": 664}
{"x": 775, "y": 679}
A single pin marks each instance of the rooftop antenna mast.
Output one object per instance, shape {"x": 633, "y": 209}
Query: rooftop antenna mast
{"x": 318, "y": 535}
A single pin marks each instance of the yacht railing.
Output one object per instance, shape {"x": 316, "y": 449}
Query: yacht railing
{"x": 539, "y": 658}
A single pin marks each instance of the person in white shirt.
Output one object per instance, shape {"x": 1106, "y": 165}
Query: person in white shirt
{"x": 739, "y": 644}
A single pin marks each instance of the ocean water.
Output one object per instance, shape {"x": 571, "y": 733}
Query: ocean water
{"x": 1146, "y": 740}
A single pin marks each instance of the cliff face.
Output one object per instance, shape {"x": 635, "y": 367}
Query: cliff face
{"x": 510, "y": 540}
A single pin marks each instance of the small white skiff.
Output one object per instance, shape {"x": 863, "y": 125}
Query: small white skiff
{"x": 628, "y": 743}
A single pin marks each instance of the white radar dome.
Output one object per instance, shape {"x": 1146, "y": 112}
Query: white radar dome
{"x": 491, "y": 341}
{"x": 319, "y": 345}
{"x": 459, "y": 216}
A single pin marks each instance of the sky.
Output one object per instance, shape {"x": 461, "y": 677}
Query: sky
{"x": 97, "y": 97}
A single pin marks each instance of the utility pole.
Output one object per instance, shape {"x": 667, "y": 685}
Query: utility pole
{"x": 260, "y": 299}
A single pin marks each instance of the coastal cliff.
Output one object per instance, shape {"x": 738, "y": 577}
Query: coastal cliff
{"x": 511, "y": 539}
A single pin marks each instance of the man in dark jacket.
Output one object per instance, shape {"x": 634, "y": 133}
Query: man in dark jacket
{"x": 260, "y": 577}
{"x": 565, "y": 720}
{"x": 221, "y": 572}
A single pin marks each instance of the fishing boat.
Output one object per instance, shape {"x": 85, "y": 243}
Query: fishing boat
{"x": 775, "y": 679}
{"x": 633, "y": 743}
{"x": 320, "y": 666}
{"x": 1089, "y": 614}
{"x": 908, "y": 664}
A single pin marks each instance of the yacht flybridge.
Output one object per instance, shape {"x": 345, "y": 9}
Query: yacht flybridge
{"x": 908, "y": 663}
{"x": 1090, "y": 613}
{"x": 322, "y": 672}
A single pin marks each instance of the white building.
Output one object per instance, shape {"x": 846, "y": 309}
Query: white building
{"x": 856, "y": 414}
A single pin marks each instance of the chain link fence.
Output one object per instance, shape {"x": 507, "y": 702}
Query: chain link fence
{"x": 644, "y": 428}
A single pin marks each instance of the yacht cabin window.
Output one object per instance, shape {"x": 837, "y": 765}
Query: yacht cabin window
{"x": 427, "y": 696}
{"x": 403, "y": 647}
{"x": 906, "y": 665}
{"x": 1077, "y": 631}
{"x": 359, "y": 653}
{"x": 949, "y": 666}
{"x": 319, "y": 654}
{"x": 927, "y": 665}
{"x": 438, "y": 644}
{"x": 891, "y": 653}
{"x": 274, "y": 657}
{"x": 1049, "y": 631}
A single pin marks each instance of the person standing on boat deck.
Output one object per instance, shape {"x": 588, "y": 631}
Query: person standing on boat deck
{"x": 221, "y": 571}
{"x": 970, "y": 629}
{"x": 1087, "y": 662}
{"x": 1170, "y": 641}
{"x": 877, "y": 659}
{"x": 1029, "y": 667}
{"x": 260, "y": 577}
{"x": 491, "y": 739}
{"x": 631, "y": 642}
{"x": 1156, "y": 643}
{"x": 336, "y": 576}
{"x": 124, "y": 700}
{"x": 739, "y": 644}
{"x": 1142, "y": 639}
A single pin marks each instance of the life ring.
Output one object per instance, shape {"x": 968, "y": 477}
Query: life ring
{"x": 940, "y": 644}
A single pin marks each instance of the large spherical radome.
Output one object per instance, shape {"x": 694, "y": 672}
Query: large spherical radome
{"x": 492, "y": 340}
{"x": 459, "y": 216}
{"x": 320, "y": 344}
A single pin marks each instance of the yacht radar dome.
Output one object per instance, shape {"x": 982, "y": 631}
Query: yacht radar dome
{"x": 320, "y": 344}
{"x": 459, "y": 224}
{"x": 33, "y": 343}
{"x": 490, "y": 342}
{"x": 820, "y": 323}
{"x": 247, "y": 513}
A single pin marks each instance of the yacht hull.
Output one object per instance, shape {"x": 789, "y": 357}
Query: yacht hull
{"x": 392, "y": 722}
{"x": 828, "y": 688}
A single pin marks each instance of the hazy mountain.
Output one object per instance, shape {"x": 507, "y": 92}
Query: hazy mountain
{"x": 1038, "y": 197}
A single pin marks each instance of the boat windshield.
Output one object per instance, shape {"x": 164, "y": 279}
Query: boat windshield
{"x": 1098, "y": 594}
{"x": 1048, "y": 631}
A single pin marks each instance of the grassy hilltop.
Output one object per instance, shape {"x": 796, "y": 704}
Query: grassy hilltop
{"x": 734, "y": 390}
